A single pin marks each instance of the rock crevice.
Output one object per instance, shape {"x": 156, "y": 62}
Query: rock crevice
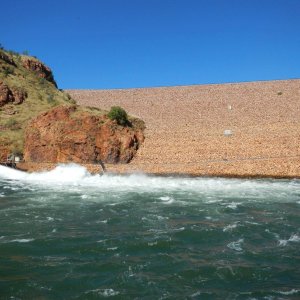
{"x": 11, "y": 95}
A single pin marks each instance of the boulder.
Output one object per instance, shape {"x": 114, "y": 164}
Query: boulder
{"x": 68, "y": 134}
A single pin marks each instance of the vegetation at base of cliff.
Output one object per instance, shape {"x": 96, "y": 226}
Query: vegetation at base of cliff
{"x": 40, "y": 95}
{"x": 118, "y": 114}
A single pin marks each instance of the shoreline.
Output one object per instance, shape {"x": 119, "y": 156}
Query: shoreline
{"x": 112, "y": 170}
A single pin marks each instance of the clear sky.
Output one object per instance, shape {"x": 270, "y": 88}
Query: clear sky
{"x": 105, "y": 44}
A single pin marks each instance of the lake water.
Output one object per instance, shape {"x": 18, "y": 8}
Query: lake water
{"x": 66, "y": 234}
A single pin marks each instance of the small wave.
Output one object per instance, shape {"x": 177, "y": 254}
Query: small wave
{"x": 104, "y": 292}
{"x": 103, "y": 221}
{"x": 293, "y": 238}
{"x": 167, "y": 199}
{"x": 162, "y": 218}
{"x": 232, "y": 205}
{"x": 252, "y": 223}
{"x": 230, "y": 227}
{"x": 177, "y": 229}
{"x": 101, "y": 241}
{"x": 286, "y": 293}
{"x": 112, "y": 249}
{"x": 21, "y": 241}
{"x": 237, "y": 246}
{"x": 152, "y": 243}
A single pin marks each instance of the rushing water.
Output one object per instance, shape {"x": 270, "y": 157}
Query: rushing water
{"x": 66, "y": 234}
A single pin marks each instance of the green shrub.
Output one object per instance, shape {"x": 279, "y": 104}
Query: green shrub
{"x": 11, "y": 123}
{"x": 119, "y": 114}
{"x": 8, "y": 71}
{"x": 50, "y": 99}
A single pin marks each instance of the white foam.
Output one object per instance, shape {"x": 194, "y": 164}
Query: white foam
{"x": 104, "y": 292}
{"x": 152, "y": 243}
{"x": 237, "y": 245}
{"x": 162, "y": 218}
{"x": 76, "y": 177}
{"x": 293, "y": 238}
{"x": 167, "y": 199}
{"x": 232, "y": 205}
{"x": 21, "y": 241}
{"x": 112, "y": 248}
{"x": 178, "y": 229}
{"x": 103, "y": 221}
{"x": 291, "y": 292}
{"x": 101, "y": 241}
{"x": 230, "y": 227}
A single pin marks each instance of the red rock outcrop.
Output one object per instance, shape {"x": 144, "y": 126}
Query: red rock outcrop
{"x": 66, "y": 134}
{"x": 19, "y": 95}
{"x": 5, "y": 94}
{"x": 39, "y": 68}
{"x": 11, "y": 95}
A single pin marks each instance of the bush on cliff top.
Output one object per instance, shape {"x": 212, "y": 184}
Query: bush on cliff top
{"x": 119, "y": 114}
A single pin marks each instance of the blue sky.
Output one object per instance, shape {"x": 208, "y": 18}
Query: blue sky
{"x": 104, "y": 44}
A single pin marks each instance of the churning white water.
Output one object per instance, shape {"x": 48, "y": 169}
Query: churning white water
{"x": 65, "y": 175}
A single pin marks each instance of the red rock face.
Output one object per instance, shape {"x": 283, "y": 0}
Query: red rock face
{"x": 8, "y": 95}
{"x": 5, "y": 94}
{"x": 39, "y": 68}
{"x": 19, "y": 96}
{"x": 65, "y": 134}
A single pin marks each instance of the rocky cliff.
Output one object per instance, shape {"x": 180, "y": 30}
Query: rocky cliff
{"x": 39, "y": 68}
{"x": 43, "y": 124}
{"x": 70, "y": 133}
